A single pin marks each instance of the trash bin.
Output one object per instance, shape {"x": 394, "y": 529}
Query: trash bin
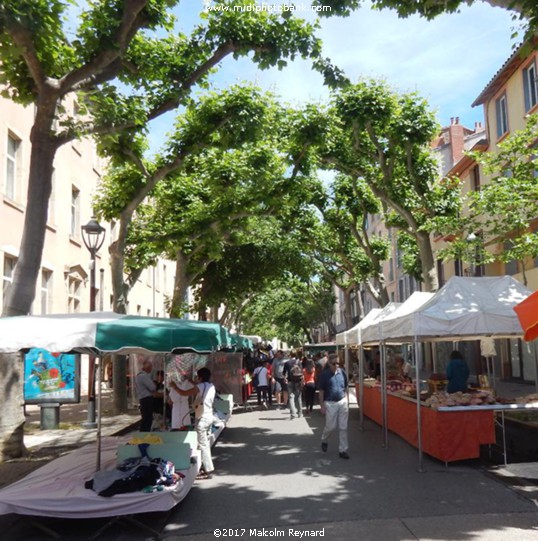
{"x": 50, "y": 416}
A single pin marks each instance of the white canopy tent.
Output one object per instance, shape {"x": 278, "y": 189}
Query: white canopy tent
{"x": 353, "y": 336}
{"x": 465, "y": 308}
{"x": 371, "y": 334}
{"x": 394, "y": 324}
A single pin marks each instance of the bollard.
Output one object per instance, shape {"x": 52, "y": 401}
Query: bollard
{"x": 50, "y": 416}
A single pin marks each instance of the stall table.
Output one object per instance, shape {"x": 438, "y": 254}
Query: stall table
{"x": 446, "y": 435}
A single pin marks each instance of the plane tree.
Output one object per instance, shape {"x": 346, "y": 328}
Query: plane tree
{"x": 125, "y": 64}
{"x": 381, "y": 139}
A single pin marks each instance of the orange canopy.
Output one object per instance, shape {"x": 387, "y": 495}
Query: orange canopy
{"x": 527, "y": 312}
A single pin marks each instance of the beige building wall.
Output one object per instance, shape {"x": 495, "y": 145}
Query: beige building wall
{"x": 508, "y": 85}
{"x": 63, "y": 283}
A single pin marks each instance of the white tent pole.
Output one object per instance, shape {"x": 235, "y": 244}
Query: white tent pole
{"x": 383, "y": 361}
{"x": 493, "y": 375}
{"x": 361, "y": 387}
{"x": 536, "y": 365}
{"x": 99, "y": 403}
{"x": 346, "y": 356}
{"x": 419, "y": 413}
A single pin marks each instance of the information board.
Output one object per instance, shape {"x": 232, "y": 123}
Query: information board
{"x": 51, "y": 377}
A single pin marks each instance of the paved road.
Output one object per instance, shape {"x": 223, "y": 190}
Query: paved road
{"x": 273, "y": 476}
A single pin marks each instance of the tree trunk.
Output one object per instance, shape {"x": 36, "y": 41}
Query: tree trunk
{"x": 22, "y": 291}
{"x": 348, "y": 317}
{"x": 181, "y": 285}
{"x": 214, "y": 313}
{"x": 119, "y": 383}
{"x": 12, "y": 418}
{"x": 427, "y": 262}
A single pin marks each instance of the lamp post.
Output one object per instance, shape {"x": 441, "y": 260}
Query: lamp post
{"x": 471, "y": 238}
{"x": 93, "y": 235}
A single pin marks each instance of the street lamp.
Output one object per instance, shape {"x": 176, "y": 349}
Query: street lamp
{"x": 471, "y": 238}
{"x": 93, "y": 235}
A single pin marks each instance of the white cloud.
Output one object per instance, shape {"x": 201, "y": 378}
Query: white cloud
{"x": 448, "y": 60}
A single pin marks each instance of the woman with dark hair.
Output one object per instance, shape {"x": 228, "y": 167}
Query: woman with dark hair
{"x": 204, "y": 396}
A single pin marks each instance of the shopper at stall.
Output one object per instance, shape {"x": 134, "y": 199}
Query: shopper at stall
{"x": 457, "y": 373}
{"x": 204, "y": 396}
{"x": 146, "y": 391}
{"x": 181, "y": 416}
{"x": 376, "y": 368}
{"x": 161, "y": 408}
{"x": 334, "y": 402}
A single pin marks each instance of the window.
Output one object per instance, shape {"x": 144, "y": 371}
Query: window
{"x": 391, "y": 269}
{"x": 501, "y": 111}
{"x": 9, "y": 269}
{"x": 73, "y": 298}
{"x": 46, "y": 283}
{"x": 475, "y": 178}
{"x": 12, "y": 166}
{"x": 75, "y": 212}
{"x": 530, "y": 87}
{"x": 440, "y": 272}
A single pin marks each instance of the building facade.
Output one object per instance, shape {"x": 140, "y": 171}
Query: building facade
{"x": 63, "y": 283}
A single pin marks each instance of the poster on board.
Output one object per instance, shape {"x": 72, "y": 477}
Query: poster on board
{"x": 51, "y": 377}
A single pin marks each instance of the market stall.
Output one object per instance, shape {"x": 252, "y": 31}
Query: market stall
{"x": 103, "y": 333}
{"x": 448, "y": 435}
{"x": 463, "y": 309}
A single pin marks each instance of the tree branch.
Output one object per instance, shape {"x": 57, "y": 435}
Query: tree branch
{"x": 130, "y": 23}
{"x": 22, "y": 38}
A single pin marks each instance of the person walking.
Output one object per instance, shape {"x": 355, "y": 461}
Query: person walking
{"x": 281, "y": 387}
{"x": 334, "y": 402}
{"x": 293, "y": 372}
{"x": 309, "y": 373}
{"x": 261, "y": 374}
{"x": 146, "y": 391}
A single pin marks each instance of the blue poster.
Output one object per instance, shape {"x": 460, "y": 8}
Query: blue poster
{"x": 51, "y": 377}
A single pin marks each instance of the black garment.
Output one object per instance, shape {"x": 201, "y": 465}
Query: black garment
{"x": 146, "y": 412}
{"x": 309, "y": 394}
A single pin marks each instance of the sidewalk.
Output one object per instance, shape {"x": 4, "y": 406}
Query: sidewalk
{"x": 45, "y": 445}
{"x": 272, "y": 477}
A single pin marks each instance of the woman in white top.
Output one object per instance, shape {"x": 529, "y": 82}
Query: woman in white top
{"x": 180, "y": 405}
{"x": 204, "y": 393}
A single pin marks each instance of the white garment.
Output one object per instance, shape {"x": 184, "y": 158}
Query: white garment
{"x": 208, "y": 392}
{"x": 204, "y": 423}
{"x": 180, "y": 405}
{"x": 336, "y": 415}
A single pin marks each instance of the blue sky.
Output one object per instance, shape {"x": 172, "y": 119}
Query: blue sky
{"x": 448, "y": 61}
